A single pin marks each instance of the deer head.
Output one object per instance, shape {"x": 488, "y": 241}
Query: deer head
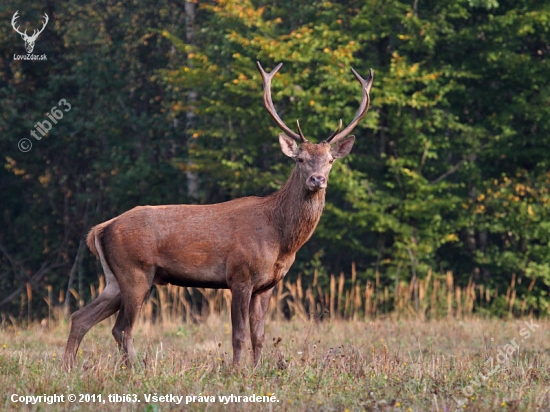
{"x": 29, "y": 40}
{"x": 314, "y": 161}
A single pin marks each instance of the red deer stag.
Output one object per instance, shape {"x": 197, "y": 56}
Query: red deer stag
{"x": 246, "y": 245}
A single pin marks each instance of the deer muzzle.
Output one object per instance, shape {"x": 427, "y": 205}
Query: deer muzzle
{"x": 317, "y": 182}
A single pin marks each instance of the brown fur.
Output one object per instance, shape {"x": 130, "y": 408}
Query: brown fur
{"x": 246, "y": 245}
{"x": 90, "y": 240}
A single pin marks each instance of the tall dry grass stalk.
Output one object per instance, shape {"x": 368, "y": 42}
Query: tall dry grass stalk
{"x": 434, "y": 297}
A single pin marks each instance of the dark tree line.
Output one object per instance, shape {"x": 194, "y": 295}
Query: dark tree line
{"x": 450, "y": 171}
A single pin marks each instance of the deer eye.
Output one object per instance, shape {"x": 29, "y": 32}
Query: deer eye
{"x": 331, "y": 161}
{"x": 300, "y": 160}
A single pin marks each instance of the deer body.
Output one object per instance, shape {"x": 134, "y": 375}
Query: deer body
{"x": 246, "y": 245}
{"x": 194, "y": 245}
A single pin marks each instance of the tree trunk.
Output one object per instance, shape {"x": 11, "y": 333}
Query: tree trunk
{"x": 191, "y": 174}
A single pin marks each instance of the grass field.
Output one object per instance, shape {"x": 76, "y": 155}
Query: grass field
{"x": 446, "y": 365}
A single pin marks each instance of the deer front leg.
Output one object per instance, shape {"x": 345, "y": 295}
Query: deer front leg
{"x": 258, "y": 310}
{"x": 239, "y": 314}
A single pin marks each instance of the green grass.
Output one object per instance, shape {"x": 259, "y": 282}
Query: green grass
{"x": 328, "y": 366}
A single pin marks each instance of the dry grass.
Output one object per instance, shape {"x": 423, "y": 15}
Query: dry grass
{"x": 333, "y": 365}
{"x": 419, "y": 346}
{"x": 437, "y": 296}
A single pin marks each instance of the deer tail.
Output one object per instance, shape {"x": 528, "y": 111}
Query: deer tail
{"x": 90, "y": 240}
{"x": 93, "y": 240}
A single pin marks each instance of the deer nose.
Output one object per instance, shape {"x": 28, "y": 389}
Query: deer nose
{"x": 317, "y": 180}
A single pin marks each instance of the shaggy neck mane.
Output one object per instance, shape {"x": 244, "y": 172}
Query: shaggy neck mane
{"x": 296, "y": 211}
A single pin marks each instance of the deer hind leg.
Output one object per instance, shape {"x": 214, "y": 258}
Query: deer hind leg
{"x": 258, "y": 310}
{"x": 106, "y": 304}
{"x": 133, "y": 296}
{"x": 239, "y": 314}
{"x": 119, "y": 327}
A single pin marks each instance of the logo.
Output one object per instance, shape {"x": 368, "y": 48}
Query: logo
{"x": 29, "y": 40}
{"x": 45, "y": 126}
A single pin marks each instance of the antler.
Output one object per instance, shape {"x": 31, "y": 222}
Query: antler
{"x": 34, "y": 33}
{"x": 46, "y": 20}
{"x": 363, "y": 108}
{"x": 15, "y": 17}
{"x": 336, "y": 131}
{"x": 271, "y": 108}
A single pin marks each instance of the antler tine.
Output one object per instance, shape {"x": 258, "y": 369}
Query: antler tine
{"x": 361, "y": 112}
{"x": 302, "y": 137}
{"x": 13, "y": 19}
{"x": 46, "y": 20}
{"x": 336, "y": 131}
{"x": 268, "y": 102}
{"x": 36, "y": 32}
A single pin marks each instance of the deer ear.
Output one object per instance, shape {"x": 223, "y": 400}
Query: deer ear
{"x": 288, "y": 145}
{"x": 342, "y": 148}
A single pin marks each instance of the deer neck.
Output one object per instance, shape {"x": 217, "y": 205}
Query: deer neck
{"x": 296, "y": 211}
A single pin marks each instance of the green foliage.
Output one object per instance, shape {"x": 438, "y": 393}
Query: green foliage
{"x": 459, "y": 113}
{"x": 110, "y": 152}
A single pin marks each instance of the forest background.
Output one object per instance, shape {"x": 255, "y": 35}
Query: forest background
{"x": 449, "y": 173}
